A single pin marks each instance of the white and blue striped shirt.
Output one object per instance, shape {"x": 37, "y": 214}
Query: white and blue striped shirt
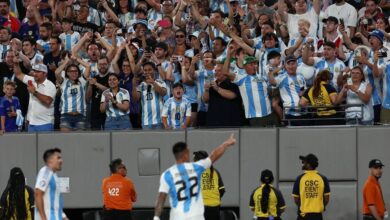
{"x": 254, "y": 93}
{"x": 69, "y": 40}
{"x": 152, "y": 103}
{"x": 73, "y": 96}
{"x": 386, "y": 91}
{"x": 290, "y": 87}
{"x": 3, "y": 51}
{"x": 154, "y": 16}
{"x": 119, "y": 40}
{"x": 182, "y": 183}
{"x": 176, "y": 112}
{"x": 38, "y": 58}
{"x": 203, "y": 76}
{"x": 334, "y": 68}
{"x": 122, "y": 96}
{"x": 44, "y": 44}
{"x": 47, "y": 182}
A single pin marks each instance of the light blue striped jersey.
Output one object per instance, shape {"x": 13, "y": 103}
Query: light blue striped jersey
{"x": 334, "y": 68}
{"x": 176, "y": 112}
{"x": 181, "y": 182}
{"x": 375, "y": 83}
{"x": 386, "y": 91}
{"x": 125, "y": 19}
{"x": 73, "y": 96}
{"x": 122, "y": 96}
{"x": 254, "y": 93}
{"x": 119, "y": 40}
{"x": 203, "y": 76}
{"x": 3, "y": 51}
{"x": 38, "y": 58}
{"x": 151, "y": 102}
{"x": 47, "y": 182}
{"x": 290, "y": 87}
{"x": 44, "y": 44}
{"x": 69, "y": 40}
{"x": 154, "y": 16}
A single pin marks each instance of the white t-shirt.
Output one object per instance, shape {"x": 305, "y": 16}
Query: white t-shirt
{"x": 47, "y": 182}
{"x": 346, "y": 12}
{"x": 39, "y": 114}
{"x": 292, "y": 23}
{"x": 182, "y": 184}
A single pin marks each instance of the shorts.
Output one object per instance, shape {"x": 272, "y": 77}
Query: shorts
{"x": 117, "y": 123}
{"x": 72, "y": 122}
{"x": 194, "y": 107}
{"x": 211, "y": 213}
{"x": 40, "y": 128}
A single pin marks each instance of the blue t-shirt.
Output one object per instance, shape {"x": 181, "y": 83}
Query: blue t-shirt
{"x": 7, "y": 106}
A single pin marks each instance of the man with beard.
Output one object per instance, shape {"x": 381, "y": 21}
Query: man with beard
{"x": 6, "y": 19}
{"x": 97, "y": 85}
{"x": 311, "y": 190}
{"x": 373, "y": 202}
{"x": 43, "y": 43}
{"x": 30, "y": 27}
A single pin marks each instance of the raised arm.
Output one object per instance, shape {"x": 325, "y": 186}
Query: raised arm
{"x": 220, "y": 150}
{"x": 198, "y": 17}
{"x": 306, "y": 58}
{"x": 154, "y": 5}
{"x": 77, "y": 47}
{"x": 178, "y": 18}
{"x": 110, "y": 12}
{"x": 226, "y": 65}
{"x": 58, "y": 71}
{"x": 281, "y": 10}
{"x": 109, "y": 48}
{"x": 114, "y": 62}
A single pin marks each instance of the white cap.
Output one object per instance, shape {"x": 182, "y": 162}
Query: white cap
{"x": 40, "y": 67}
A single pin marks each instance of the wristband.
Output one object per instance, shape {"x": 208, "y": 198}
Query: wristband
{"x": 156, "y": 218}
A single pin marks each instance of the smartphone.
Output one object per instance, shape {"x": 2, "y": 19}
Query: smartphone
{"x": 180, "y": 58}
{"x": 30, "y": 83}
{"x": 196, "y": 51}
{"x": 349, "y": 81}
{"x": 342, "y": 22}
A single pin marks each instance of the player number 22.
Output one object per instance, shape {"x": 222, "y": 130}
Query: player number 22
{"x": 181, "y": 192}
{"x": 113, "y": 191}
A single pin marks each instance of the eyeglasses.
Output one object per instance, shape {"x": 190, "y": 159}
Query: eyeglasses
{"x": 180, "y": 36}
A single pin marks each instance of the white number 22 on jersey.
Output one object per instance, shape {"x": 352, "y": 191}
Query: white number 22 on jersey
{"x": 113, "y": 191}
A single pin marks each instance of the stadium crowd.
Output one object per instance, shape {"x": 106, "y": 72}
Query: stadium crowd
{"x": 120, "y": 64}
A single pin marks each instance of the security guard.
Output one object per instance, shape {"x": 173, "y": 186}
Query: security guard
{"x": 373, "y": 202}
{"x": 212, "y": 189}
{"x": 267, "y": 202}
{"x": 118, "y": 193}
{"x": 311, "y": 190}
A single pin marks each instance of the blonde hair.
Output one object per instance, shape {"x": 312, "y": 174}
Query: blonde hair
{"x": 304, "y": 22}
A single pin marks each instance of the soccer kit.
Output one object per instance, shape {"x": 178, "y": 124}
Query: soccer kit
{"x": 182, "y": 183}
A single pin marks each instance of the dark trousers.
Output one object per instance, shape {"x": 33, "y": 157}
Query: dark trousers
{"x": 311, "y": 216}
{"x": 116, "y": 215}
{"x": 368, "y": 217}
{"x": 211, "y": 213}
{"x": 266, "y": 218}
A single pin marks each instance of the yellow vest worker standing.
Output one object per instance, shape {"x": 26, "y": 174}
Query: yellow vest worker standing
{"x": 266, "y": 202}
{"x": 311, "y": 190}
{"x": 212, "y": 189}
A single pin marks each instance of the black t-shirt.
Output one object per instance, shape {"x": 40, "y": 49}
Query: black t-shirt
{"x": 222, "y": 111}
{"x": 7, "y": 73}
{"x": 97, "y": 95}
{"x": 49, "y": 59}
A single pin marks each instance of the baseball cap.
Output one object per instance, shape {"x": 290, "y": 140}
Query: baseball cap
{"x": 375, "y": 163}
{"x": 267, "y": 176}
{"x": 199, "y": 155}
{"x": 178, "y": 85}
{"x": 249, "y": 59}
{"x": 310, "y": 159}
{"x": 40, "y": 67}
{"x": 291, "y": 58}
{"x": 141, "y": 22}
{"x": 332, "y": 19}
{"x": 195, "y": 34}
{"x": 378, "y": 34}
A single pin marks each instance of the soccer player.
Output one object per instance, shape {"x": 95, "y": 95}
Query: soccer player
{"x": 182, "y": 183}
{"x": 48, "y": 198}
{"x": 176, "y": 112}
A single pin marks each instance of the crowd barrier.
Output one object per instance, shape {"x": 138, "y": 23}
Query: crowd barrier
{"x": 343, "y": 152}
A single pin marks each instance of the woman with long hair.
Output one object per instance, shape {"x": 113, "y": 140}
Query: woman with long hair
{"x": 267, "y": 202}
{"x": 17, "y": 200}
{"x": 323, "y": 97}
{"x": 212, "y": 189}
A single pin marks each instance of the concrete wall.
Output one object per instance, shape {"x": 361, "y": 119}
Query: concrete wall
{"x": 343, "y": 154}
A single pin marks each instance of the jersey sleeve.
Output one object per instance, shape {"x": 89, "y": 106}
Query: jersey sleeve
{"x": 281, "y": 203}
{"x": 205, "y": 163}
{"x": 43, "y": 179}
{"x": 188, "y": 109}
{"x": 165, "y": 109}
{"x": 295, "y": 192}
{"x": 251, "y": 200}
{"x": 164, "y": 186}
{"x": 330, "y": 89}
{"x": 326, "y": 186}
{"x": 279, "y": 79}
